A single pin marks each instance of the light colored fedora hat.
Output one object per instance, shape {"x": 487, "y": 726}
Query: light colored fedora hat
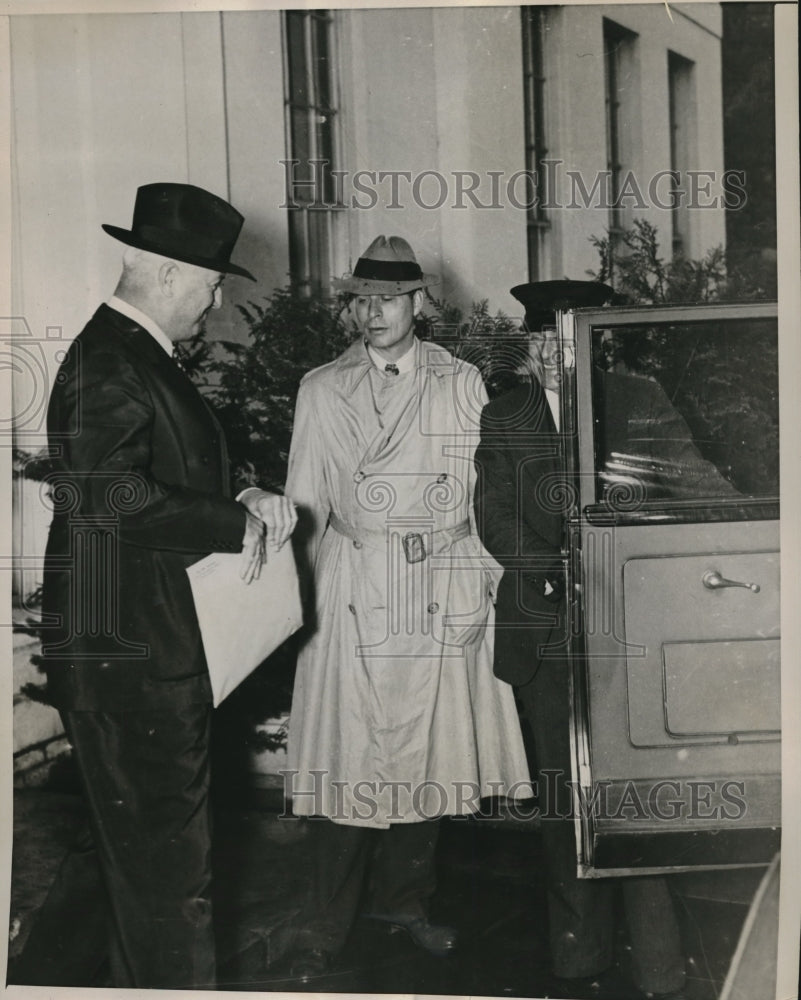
{"x": 387, "y": 267}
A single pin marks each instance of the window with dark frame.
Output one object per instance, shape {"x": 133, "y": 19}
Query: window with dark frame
{"x": 618, "y": 56}
{"x": 534, "y": 28}
{"x": 680, "y": 110}
{"x": 310, "y": 101}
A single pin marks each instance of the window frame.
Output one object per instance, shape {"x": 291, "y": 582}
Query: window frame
{"x": 681, "y": 96}
{"x": 618, "y": 43}
{"x": 534, "y": 28}
{"x": 314, "y": 199}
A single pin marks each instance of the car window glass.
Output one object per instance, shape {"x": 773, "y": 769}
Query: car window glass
{"x": 686, "y": 411}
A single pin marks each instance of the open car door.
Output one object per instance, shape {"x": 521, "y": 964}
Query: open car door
{"x": 671, "y": 446}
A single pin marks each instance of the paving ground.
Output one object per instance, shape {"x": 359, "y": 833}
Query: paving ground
{"x": 491, "y": 888}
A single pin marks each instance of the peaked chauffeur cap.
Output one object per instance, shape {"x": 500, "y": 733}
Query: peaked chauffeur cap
{"x": 541, "y": 299}
{"x": 387, "y": 267}
{"x": 185, "y": 223}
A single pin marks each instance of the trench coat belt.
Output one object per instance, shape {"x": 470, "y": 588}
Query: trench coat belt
{"x": 440, "y": 540}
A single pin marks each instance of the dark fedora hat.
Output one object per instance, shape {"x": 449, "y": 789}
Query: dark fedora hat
{"x": 185, "y": 223}
{"x": 387, "y": 267}
{"x": 541, "y": 299}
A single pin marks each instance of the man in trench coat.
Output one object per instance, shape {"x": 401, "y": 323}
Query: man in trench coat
{"x": 396, "y": 717}
{"x": 140, "y": 492}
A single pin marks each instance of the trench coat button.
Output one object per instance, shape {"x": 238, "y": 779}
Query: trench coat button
{"x": 433, "y": 608}
{"x": 442, "y": 477}
{"x": 356, "y": 543}
{"x": 358, "y": 477}
{"x": 351, "y": 609}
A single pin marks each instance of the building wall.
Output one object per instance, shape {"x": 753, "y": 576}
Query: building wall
{"x": 439, "y": 90}
{"x": 577, "y": 118}
{"x": 103, "y": 103}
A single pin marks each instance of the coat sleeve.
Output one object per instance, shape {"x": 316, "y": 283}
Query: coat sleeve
{"x": 510, "y": 519}
{"x": 109, "y": 463}
{"x": 476, "y": 396}
{"x": 472, "y": 402}
{"x": 306, "y": 482}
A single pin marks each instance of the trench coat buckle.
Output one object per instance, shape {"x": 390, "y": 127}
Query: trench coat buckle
{"x": 414, "y": 547}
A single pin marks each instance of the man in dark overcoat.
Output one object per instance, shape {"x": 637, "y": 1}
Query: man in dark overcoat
{"x": 140, "y": 491}
{"x": 519, "y": 516}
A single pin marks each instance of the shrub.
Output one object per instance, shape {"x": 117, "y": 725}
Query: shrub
{"x": 631, "y": 263}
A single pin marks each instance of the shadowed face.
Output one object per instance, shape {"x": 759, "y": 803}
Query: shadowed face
{"x": 545, "y": 356}
{"x": 387, "y": 321}
{"x": 197, "y": 291}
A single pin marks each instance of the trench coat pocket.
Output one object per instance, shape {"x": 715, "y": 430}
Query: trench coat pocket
{"x": 467, "y": 606}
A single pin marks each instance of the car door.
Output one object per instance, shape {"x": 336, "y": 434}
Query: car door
{"x": 670, "y": 420}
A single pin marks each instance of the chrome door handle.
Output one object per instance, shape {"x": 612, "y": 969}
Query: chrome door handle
{"x": 712, "y": 580}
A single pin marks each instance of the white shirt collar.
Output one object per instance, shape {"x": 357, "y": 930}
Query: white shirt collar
{"x": 143, "y": 320}
{"x": 405, "y": 362}
{"x": 552, "y": 395}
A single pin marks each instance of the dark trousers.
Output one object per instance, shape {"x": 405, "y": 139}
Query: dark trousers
{"x": 394, "y": 867}
{"x": 581, "y": 911}
{"x": 136, "y": 888}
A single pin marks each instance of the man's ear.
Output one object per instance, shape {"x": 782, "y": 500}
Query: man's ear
{"x": 418, "y": 300}
{"x": 168, "y": 275}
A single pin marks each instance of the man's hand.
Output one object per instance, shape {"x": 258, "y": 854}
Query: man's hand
{"x": 253, "y": 554}
{"x": 277, "y": 513}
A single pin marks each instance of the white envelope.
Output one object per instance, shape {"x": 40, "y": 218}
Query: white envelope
{"x": 241, "y": 624}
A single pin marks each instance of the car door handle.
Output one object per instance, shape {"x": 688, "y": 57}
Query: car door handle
{"x": 712, "y": 580}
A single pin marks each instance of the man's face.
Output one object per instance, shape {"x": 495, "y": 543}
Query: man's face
{"x": 387, "y": 321}
{"x": 545, "y": 349}
{"x": 196, "y": 291}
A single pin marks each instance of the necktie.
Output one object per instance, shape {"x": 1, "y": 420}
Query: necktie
{"x": 391, "y": 369}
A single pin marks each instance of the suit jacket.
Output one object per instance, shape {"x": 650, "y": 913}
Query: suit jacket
{"x": 519, "y": 519}
{"x": 140, "y": 491}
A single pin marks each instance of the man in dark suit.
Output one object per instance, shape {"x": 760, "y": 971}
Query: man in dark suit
{"x": 519, "y": 515}
{"x": 141, "y": 492}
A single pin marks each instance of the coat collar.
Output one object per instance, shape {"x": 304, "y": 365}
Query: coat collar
{"x": 354, "y": 363}
{"x": 143, "y": 320}
{"x": 142, "y": 342}
{"x": 141, "y": 339}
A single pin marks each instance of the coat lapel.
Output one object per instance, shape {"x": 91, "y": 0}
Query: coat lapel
{"x": 144, "y": 346}
{"x": 399, "y": 418}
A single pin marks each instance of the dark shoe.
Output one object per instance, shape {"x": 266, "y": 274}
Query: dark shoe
{"x": 310, "y": 963}
{"x": 437, "y": 939}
